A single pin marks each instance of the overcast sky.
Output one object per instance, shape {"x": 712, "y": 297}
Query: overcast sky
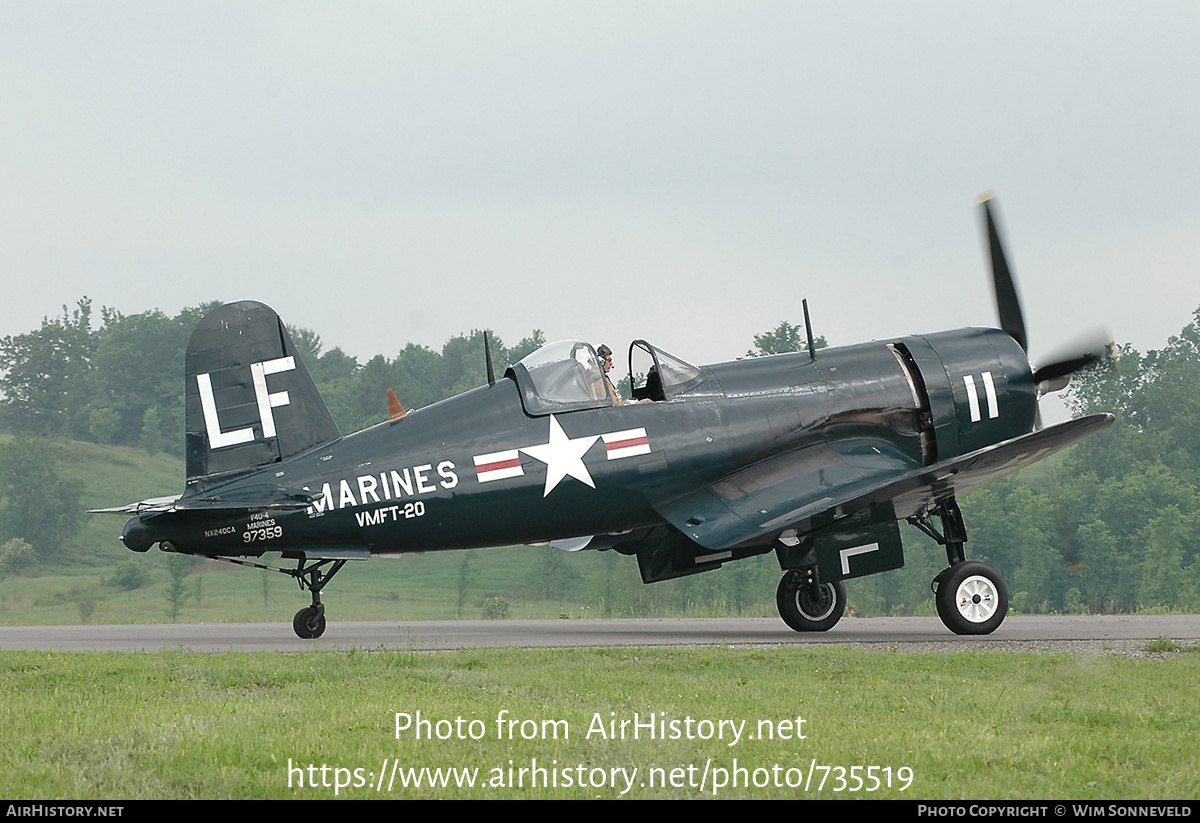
{"x": 684, "y": 172}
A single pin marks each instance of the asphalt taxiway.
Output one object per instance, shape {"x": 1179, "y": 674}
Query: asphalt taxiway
{"x": 1050, "y": 633}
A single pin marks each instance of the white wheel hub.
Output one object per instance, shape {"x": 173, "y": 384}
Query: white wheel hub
{"x": 976, "y": 598}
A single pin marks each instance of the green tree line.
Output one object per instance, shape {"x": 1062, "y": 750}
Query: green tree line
{"x": 121, "y": 382}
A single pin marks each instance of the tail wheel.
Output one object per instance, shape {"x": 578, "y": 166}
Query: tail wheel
{"x": 811, "y": 608}
{"x": 971, "y": 598}
{"x": 309, "y": 622}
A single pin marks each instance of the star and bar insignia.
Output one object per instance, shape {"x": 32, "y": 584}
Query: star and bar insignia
{"x": 562, "y": 455}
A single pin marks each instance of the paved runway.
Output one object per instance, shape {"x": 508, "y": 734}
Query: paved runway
{"x": 883, "y": 632}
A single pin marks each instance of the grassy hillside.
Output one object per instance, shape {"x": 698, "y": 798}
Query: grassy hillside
{"x": 113, "y": 476}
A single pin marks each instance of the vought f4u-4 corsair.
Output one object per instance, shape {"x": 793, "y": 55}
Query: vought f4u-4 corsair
{"x": 815, "y": 456}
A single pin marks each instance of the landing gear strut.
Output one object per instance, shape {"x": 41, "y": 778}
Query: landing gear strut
{"x": 971, "y": 597}
{"x": 808, "y": 606}
{"x": 309, "y": 623}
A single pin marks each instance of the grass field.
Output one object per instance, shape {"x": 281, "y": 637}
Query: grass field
{"x": 961, "y": 725}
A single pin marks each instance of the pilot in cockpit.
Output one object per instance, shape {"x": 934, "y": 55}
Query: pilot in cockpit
{"x": 605, "y": 354}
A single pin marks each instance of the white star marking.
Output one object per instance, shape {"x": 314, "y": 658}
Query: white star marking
{"x": 562, "y": 456}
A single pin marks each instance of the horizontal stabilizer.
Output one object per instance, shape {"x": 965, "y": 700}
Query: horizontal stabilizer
{"x": 243, "y": 499}
{"x": 153, "y": 504}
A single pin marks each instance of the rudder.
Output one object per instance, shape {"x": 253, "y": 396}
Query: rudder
{"x": 250, "y": 399}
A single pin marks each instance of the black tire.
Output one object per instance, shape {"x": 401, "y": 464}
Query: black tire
{"x": 811, "y": 608}
{"x": 971, "y": 598}
{"x": 309, "y": 623}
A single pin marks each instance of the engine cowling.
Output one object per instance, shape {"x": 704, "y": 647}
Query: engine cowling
{"x": 978, "y": 387}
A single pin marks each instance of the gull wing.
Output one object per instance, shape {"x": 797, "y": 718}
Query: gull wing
{"x": 754, "y": 505}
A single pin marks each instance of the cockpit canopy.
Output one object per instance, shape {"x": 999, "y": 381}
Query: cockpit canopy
{"x": 567, "y": 375}
{"x": 657, "y": 375}
{"x": 559, "y": 377}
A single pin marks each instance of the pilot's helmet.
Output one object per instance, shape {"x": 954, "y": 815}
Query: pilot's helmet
{"x": 605, "y": 357}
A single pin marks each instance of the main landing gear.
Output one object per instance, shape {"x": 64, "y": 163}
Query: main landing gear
{"x": 970, "y": 596}
{"x": 808, "y": 606}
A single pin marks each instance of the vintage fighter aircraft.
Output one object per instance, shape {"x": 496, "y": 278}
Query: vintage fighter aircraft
{"x": 815, "y": 456}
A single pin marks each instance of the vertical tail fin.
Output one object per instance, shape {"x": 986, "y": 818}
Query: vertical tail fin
{"x": 250, "y": 400}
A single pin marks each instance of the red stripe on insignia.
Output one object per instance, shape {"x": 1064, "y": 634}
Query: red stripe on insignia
{"x": 499, "y": 464}
{"x": 625, "y": 444}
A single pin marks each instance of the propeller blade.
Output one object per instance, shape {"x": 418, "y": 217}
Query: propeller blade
{"x": 1008, "y": 305}
{"x": 1081, "y": 350}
